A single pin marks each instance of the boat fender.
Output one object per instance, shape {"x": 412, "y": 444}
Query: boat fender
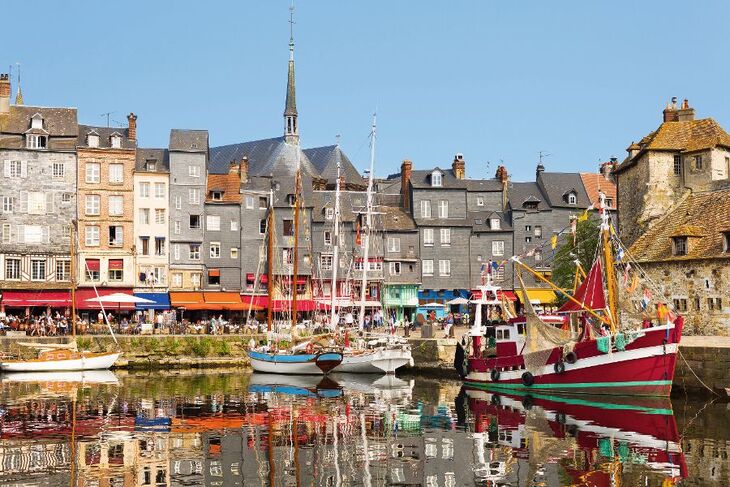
{"x": 561, "y": 418}
{"x": 496, "y": 401}
{"x": 494, "y": 375}
{"x": 571, "y": 357}
{"x": 528, "y": 379}
{"x": 559, "y": 367}
{"x": 460, "y": 361}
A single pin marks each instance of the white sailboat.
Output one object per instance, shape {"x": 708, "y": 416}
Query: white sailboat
{"x": 54, "y": 357}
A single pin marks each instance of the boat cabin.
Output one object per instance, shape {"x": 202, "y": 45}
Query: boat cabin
{"x": 510, "y": 335}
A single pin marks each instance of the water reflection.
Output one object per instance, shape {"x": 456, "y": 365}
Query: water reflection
{"x": 230, "y": 428}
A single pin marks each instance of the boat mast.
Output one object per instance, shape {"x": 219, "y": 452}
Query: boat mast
{"x": 295, "y": 278}
{"x": 335, "y": 257}
{"x": 73, "y": 280}
{"x": 270, "y": 264}
{"x": 368, "y": 215}
{"x": 608, "y": 264}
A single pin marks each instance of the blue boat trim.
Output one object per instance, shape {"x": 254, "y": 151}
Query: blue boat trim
{"x": 292, "y": 359}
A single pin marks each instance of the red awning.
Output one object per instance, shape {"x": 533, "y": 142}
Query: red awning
{"x": 260, "y": 301}
{"x": 279, "y": 304}
{"x": 116, "y": 264}
{"x": 84, "y": 294}
{"x": 93, "y": 264}
{"x": 21, "y": 299}
{"x": 214, "y": 272}
{"x": 508, "y": 295}
{"x": 250, "y": 276}
{"x": 264, "y": 278}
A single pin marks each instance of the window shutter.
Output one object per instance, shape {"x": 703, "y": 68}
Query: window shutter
{"x": 6, "y": 169}
{"x": 23, "y": 202}
{"x": 45, "y": 234}
{"x": 120, "y": 235}
{"x": 21, "y": 233}
{"x": 50, "y": 202}
{"x": 23, "y": 169}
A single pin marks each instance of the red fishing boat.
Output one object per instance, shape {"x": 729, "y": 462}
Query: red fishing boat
{"x": 590, "y": 347}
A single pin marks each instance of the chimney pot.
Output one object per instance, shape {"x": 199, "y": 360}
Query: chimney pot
{"x": 539, "y": 170}
{"x": 132, "y": 124}
{"x": 459, "y": 166}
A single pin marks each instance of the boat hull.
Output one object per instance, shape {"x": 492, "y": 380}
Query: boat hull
{"x": 645, "y": 368}
{"x": 90, "y": 361}
{"x": 376, "y": 361}
{"x": 303, "y": 364}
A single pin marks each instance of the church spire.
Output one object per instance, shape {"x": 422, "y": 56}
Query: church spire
{"x": 19, "y": 94}
{"x": 291, "y": 130}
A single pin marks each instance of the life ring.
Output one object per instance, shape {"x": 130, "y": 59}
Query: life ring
{"x": 310, "y": 348}
{"x": 528, "y": 379}
{"x": 571, "y": 357}
{"x": 494, "y": 375}
{"x": 559, "y": 367}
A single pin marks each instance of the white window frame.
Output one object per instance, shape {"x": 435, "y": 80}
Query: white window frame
{"x": 234, "y": 225}
{"x": 443, "y": 208}
{"x": 36, "y": 203}
{"x": 445, "y": 237}
{"x": 176, "y": 251}
{"x": 160, "y": 190}
{"x": 93, "y": 172}
{"x": 92, "y": 234}
{"x": 178, "y": 202}
{"x": 497, "y": 248}
{"x": 327, "y": 237}
{"x": 329, "y": 213}
{"x": 249, "y": 202}
{"x": 427, "y": 267}
{"x": 213, "y": 223}
{"x": 572, "y": 199}
{"x": 194, "y": 171}
{"x": 92, "y": 205}
{"x": 7, "y": 233}
{"x": 234, "y": 252}
{"x": 116, "y": 205}
{"x": 176, "y": 279}
{"x": 193, "y": 196}
{"x": 495, "y": 224}
{"x": 215, "y": 250}
{"x": 325, "y": 262}
{"x": 395, "y": 268}
{"x": 426, "y": 209}
{"x": 59, "y": 170}
{"x": 428, "y": 237}
{"x": 116, "y": 142}
{"x": 144, "y": 216}
{"x": 13, "y": 269}
{"x": 160, "y": 216}
{"x": 38, "y": 265}
{"x": 394, "y": 244}
{"x": 116, "y": 173}
{"x": 194, "y": 254}
{"x": 437, "y": 179}
{"x": 177, "y": 227}
{"x": 8, "y": 204}
{"x": 144, "y": 189}
{"x": 444, "y": 267}
{"x": 480, "y": 200}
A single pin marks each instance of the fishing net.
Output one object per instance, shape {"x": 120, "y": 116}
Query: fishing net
{"x": 541, "y": 338}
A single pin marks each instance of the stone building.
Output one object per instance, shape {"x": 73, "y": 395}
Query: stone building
{"x": 686, "y": 253}
{"x": 188, "y": 154}
{"x": 38, "y": 190}
{"x": 682, "y": 155}
{"x": 151, "y": 228}
{"x": 106, "y": 161}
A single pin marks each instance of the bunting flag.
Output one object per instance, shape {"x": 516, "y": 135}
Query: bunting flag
{"x": 634, "y": 284}
{"x": 584, "y": 216}
{"x": 554, "y": 241}
{"x": 484, "y": 268}
{"x": 489, "y": 267}
{"x": 620, "y": 254}
{"x": 358, "y": 237}
{"x": 495, "y": 266}
{"x": 646, "y": 299}
{"x": 627, "y": 272}
{"x": 662, "y": 312}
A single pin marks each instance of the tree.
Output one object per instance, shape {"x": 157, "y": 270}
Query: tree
{"x": 584, "y": 250}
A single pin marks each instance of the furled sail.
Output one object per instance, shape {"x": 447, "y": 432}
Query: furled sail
{"x": 590, "y": 292}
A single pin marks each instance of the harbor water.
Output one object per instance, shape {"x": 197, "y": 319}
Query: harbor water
{"x": 234, "y": 428}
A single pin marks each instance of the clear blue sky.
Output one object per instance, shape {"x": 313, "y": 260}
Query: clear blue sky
{"x": 491, "y": 79}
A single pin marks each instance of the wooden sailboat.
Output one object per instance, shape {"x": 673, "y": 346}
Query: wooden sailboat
{"x": 54, "y": 357}
{"x": 601, "y": 355}
{"x": 296, "y": 360}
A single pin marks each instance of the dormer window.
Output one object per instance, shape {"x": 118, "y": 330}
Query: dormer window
{"x": 36, "y": 122}
{"x": 494, "y": 223}
{"x": 92, "y": 140}
{"x": 437, "y": 179}
{"x": 291, "y": 199}
{"x": 572, "y": 198}
{"x": 216, "y": 195}
{"x": 33, "y": 141}
{"x": 150, "y": 165}
{"x": 116, "y": 141}
{"x": 530, "y": 205}
{"x": 679, "y": 246}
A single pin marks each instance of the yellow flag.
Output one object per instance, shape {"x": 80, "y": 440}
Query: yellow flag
{"x": 583, "y": 217}
{"x": 554, "y": 241}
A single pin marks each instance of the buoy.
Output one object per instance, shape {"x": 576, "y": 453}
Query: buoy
{"x": 528, "y": 379}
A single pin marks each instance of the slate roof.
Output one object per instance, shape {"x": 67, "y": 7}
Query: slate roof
{"x": 229, "y": 184}
{"x": 397, "y": 219}
{"x": 105, "y": 134}
{"x": 326, "y": 199}
{"x": 556, "y": 186}
{"x": 593, "y": 183}
{"x": 58, "y": 122}
{"x": 265, "y": 157}
{"x": 703, "y": 217}
{"x": 480, "y": 221}
{"x": 479, "y": 185}
{"x": 161, "y": 156}
{"x": 325, "y": 159}
{"x": 518, "y": 193}
{"x": 686, "y": 136}
{"x": 188, "y": 140}
{"x": 421, "y": 179}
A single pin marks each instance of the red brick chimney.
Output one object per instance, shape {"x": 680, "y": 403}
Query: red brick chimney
{"x": 670, "y": 113}
{"x": 459, "y": 166}
{"x": 405, "y": 178}
{"x": 4, "y": 93}
{"x": 686, "y": 113}
{"x": 132, "y": 121}
{"x": 503, "y": 177}
{"x": 243, "y": 170}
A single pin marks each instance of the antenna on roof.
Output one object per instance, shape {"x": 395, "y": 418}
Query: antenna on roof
{"x": 337, "y": 140}
{"x": 108, "y": 119}
{"x": 543, "y": 154}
